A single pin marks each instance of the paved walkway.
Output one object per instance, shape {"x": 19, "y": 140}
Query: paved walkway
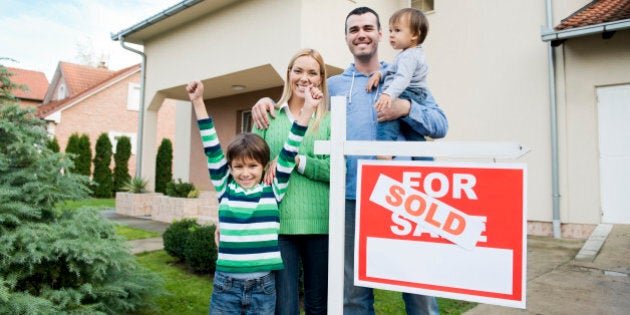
{"x": 563, "y": 276}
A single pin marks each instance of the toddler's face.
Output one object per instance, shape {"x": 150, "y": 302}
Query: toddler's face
{"x": 247, "y": 172}
{"x": 401, "y": 37}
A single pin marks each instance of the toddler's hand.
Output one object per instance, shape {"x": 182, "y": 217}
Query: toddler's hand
{"x": 383, "y": 102}
{"x": 373, "y": 81}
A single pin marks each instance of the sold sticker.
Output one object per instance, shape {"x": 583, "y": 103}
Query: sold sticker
{"x": 433, "y": 215}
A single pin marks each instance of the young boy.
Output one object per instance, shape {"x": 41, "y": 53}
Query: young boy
{"x": 248, "y": 209}
{"x": 406, "y": 76}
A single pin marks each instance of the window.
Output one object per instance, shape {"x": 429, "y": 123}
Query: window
{"x": 61, "y": 92}
{"x": 133, "y": 97}
{"x": 246, "y": 120}
{"x": 114, "y": 136}
{"x": 423, "y": 5}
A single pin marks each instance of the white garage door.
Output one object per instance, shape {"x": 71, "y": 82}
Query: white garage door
{"x": 614, "y": 152}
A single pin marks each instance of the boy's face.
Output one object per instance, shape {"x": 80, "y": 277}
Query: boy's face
{"x": 247, "y": 172}
{"x": 401, "y": 37}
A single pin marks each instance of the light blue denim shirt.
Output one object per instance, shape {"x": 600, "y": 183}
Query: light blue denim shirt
{"x": 361, "y": 120}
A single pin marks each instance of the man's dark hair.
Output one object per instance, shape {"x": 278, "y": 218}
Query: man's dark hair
{"x": 361, "y": 11}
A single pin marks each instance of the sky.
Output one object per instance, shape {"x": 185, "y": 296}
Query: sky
{"x": 37, "y": 34}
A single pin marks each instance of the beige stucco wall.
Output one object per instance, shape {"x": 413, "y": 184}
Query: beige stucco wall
{"x": 488, "y": 72}
{"x": 589, "y": 62}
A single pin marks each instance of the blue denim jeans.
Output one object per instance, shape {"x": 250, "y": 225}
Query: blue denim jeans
{"x": 312, "y": 249}
{"x": 360, "y": 300}
{"x": 389, "y": 130}
{"x": 239, "y": 296}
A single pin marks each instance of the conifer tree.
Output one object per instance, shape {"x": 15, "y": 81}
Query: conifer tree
{"x": 121, "y": 160}
{"x": 164, "y": 165}
{"x": 83, "y": 162}
{"x": 102, "y": 173}
{"x": 52, "y": 144}
{"x": 54, "y": 260}
{"x": 72, "y": 150}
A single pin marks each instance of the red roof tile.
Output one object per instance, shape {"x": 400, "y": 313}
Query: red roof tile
{"x": 49, "y": 108}
{"x": 35, "y": 81}
{"x": 80, "y": 78}
{"x": 597, "y": 12}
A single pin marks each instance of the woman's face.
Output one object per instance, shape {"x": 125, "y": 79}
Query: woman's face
{"x": 304, "y": 72}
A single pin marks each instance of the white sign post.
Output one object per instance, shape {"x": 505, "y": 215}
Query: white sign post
{"x": 338, "y": 148}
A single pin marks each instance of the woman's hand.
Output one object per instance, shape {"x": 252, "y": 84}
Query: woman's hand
{"x": 312, "y": 98}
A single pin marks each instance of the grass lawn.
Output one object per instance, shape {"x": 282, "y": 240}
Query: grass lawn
{"x": 101, "y": 204}
{"x": 133, "y": 233}
{"x": 190, "y": 293}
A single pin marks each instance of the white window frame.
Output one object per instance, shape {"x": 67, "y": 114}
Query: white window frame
{"x": 133, "y": 97}
{"x": 114, "y": 136}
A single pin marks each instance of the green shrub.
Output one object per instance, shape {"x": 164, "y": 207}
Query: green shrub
{"x": 72, "y": 150}
{"x": 102, "y": 173}
{"x": 200, "y": 252}
{"x": 83, "y": 162}
{"x": 164, "y": 165}
{"x": 176, "y": 236}
{"x": 121, "y": 163}
{"x": 181, "y": 189}
{"x": 136, "y": 185}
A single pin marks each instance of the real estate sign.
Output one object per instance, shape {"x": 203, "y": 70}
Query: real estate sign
{"x": 454, "y": 230}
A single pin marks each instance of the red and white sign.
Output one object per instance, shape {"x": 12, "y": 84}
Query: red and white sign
{"x": 450, "y": 230}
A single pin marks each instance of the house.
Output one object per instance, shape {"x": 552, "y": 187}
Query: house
{"x": 489, "y": 70}
{"x": 93, "y": 100}
{"x": 35, "y": 81}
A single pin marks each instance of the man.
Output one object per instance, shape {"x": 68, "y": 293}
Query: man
{"x": 363, "y": 33}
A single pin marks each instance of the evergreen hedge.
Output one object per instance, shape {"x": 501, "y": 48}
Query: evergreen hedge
{"x": 121, "y": 163}
{"x": 83, "y": 162}
{"x": 200, "y": 252}
{"x": 53, "y": 260}
{"x": 72, "y": 150}
{"x": 176, "y": 236}
{"x": 102, "y": 173}
{"x": 52, "y": 144}
{"x": 164, "y": 165}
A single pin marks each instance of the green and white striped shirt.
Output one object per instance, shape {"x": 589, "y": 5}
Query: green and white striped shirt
{"x": 248, "y": 218}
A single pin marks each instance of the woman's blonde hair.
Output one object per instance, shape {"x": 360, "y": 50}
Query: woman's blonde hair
{"x": 287, "y": 92}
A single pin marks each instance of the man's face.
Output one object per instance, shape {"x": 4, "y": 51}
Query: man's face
{"x": 362, "y": 36}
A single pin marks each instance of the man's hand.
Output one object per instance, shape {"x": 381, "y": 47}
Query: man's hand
{"x": 259, "y": 112}
{"x": 399, "y": 108}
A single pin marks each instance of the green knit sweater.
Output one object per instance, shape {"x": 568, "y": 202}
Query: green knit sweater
{"x": 304, "y": 209}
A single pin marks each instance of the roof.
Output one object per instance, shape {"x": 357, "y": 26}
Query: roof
{"x": 91, "y": 76}
{"x": 79, "y": 78}
{"x": 597, "y": 12}
{"x": 36, "y": 82}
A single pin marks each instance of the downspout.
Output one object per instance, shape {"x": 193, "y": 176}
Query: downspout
{"x": 141, "y": 116}
{"x": 554, "y": 129}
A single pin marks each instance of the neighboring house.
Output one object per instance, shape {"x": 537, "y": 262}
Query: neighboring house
{"x": 490, "y": 72}
{"x": 36, "y": 84}
{"x": 92, "y": 101}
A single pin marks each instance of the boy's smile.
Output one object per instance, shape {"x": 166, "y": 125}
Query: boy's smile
{"x": 246, "y": 172}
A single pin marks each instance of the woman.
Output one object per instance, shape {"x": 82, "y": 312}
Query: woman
{"x": 304, "y": 209}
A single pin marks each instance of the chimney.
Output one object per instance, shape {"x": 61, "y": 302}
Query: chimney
{"x": 102, "y": 65}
